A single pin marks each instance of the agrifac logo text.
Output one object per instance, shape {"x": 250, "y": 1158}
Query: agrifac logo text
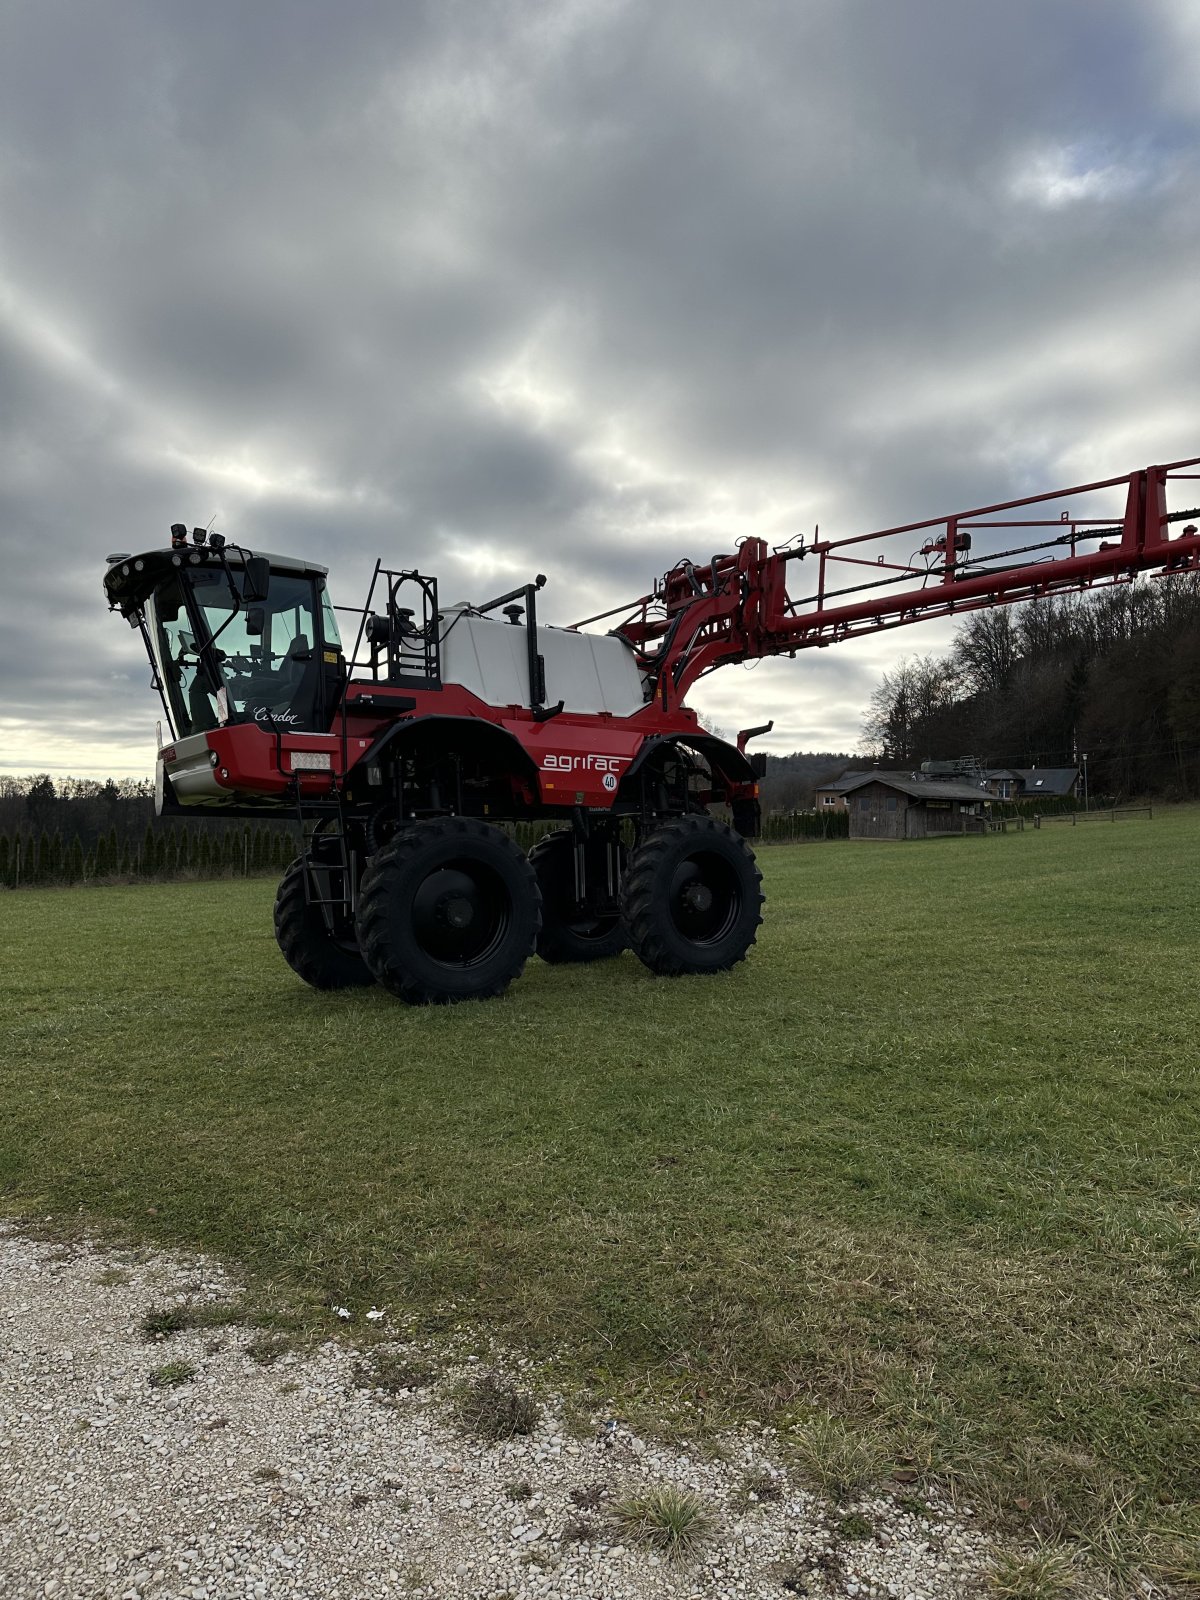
{"x": 580, "y": 763}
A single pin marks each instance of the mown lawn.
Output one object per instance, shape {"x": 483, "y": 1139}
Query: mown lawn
{"x": 926, "y": 1164}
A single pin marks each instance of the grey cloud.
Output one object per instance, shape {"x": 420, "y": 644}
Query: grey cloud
{"x": 578, "y": 289}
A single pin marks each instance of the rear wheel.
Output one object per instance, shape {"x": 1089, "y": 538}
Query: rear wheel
{"x": 323, "y": 958}
{"x": 692, "y": 897}
{"x": 570, "y": 930}
{"x": 448, "y": 910}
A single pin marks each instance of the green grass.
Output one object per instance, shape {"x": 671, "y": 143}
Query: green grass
{"x": 919, "y": 1181}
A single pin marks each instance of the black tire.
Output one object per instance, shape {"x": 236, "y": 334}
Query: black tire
{"x": 570, "y": 933}
{"x": 321, "y": 959}
{"x": 692, "y": 897}
{"x": 448, "y": 910}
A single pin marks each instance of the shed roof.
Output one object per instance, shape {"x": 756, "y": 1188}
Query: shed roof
{"x": 920, "y": 788}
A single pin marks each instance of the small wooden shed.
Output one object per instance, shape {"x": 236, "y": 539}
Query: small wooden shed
{"x": 892, "y": 805}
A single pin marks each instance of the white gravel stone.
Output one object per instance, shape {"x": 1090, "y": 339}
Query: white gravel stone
{"x": 288, "y": 1480}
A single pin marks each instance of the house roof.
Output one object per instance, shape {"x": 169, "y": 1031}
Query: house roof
{"x": 1047, "y": 780}
{"x": 919, "y": 788}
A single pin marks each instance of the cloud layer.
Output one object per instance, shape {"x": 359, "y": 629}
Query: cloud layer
{"x": 582, "y": 288}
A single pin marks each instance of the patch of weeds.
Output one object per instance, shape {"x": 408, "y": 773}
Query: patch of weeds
{"x": 392, "y": 1372}
{"x": 267, "y": 1474}
{"x": 492, "y": 1408}
{"x": 757, "y": 1488}
{"x": 588, "y": 1497}
{"x": 1042, "y": 1574}
{"x": 160, "y": 1322}
{"x": 664, "y": 1518}
{"x": 856, "y": 1526}
{"x": 113, "y": 1277}
{"x": 266, "y": 1348}
{"x": 288, "y": 1388}
{"x": 838, "y": 1459}
{"x": 912, "y": 1505}
{"x": 824, "y": 1575}
{"x": 518, "y": 1491}
{"x": 171, "y": 1374}
{"x": 579, "y": 1530}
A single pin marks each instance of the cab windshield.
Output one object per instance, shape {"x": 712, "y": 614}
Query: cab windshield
{"x": 265, "y": 661}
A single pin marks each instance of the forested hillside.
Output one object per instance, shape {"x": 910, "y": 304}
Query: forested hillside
{"x": 791, "y": 780}
{"x": 1115, "y": 675}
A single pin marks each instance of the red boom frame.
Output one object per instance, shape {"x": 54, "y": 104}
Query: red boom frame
{"x": 738, "y": 608}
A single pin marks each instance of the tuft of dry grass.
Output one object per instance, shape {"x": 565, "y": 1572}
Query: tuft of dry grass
{"x": 493, "y": 1408}
{"x": 1046, "y": 1573}
{"x": 664, "y": 1518}
{"x": 838, "y": 1458}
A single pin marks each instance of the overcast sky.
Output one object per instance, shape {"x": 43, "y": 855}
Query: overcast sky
{"x": 582, "y": 288}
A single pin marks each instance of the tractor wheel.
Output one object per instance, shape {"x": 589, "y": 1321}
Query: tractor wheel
{"x": 569, "y": 931}
{"x": 448, "y": 910}
{"x": 308, "y": 947}
{"x": 691, "y": 897}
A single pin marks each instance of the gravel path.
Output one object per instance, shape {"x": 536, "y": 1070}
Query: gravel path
{"x": 291, "y": 1479}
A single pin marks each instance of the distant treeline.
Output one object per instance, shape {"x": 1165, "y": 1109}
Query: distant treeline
{"x": 79, "y": 831}
{"x": 171, "y": 852}
{"x": 1114, "y": 674}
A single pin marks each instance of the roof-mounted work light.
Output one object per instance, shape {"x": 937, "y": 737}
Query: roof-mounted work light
{"x": 178, "y": 536}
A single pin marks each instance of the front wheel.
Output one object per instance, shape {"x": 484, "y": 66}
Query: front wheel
{"x": 448, "y": 910}
{"x": 323, "y": 958}
{"x": 692, "y": 897}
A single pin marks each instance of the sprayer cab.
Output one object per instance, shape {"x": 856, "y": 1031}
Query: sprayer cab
{"x": 233, "y": 636}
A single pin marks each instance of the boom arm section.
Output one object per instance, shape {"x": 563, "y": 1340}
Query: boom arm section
{"x": 739, "y": 607}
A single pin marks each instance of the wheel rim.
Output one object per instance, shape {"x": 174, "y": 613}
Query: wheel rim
{"x": 705, "y": 898}
{"x": 460, "y": 913}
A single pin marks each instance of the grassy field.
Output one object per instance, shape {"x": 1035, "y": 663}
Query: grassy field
{"x": 919, "y": 1181}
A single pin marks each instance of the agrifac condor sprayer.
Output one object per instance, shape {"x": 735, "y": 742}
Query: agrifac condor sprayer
{"x": 401, "y": 761}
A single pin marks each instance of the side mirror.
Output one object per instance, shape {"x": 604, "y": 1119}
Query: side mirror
{"x": 257, "y": 581}
{"x": 256, "y": 622}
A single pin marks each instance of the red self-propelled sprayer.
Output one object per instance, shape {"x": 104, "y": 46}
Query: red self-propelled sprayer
{"x": 401, "y": 760}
